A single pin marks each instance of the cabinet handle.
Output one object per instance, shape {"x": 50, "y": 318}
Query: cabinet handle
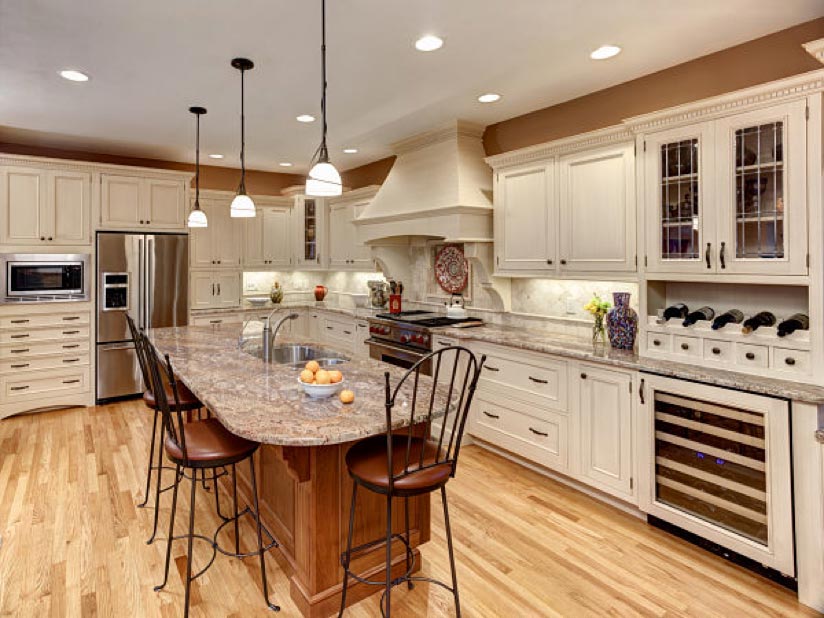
{"x": 563, "y": 262}
{"x": 583, "y": 376}
{"x": 447, "y": 344}
{"x": 491, "y": 368}
{"x": 707, "y": 255}
{"x": 549, "y": 262}
{"x": 19, "y": 336}
{"x": 347, "y": 332}
{"x": 213, "y": 289}
{"x": 538, "y": 380}
{"x": 70, "y": 332}
{"x": 71, "y": 360}
{"x": 141, "y": 222}
{"x": 685, "y": 346}
{"x": 70, "y": 381}
{"x": 750, "y": 356}
{"x": 19, "y": 321}
{"x": 19, "y": 388}
{"x": 490, "y": 415}
{"x": 716, "y": 350}
{"x": 215, "y": 321}
{"x": 789, "y": 360}
{"x": 20, "y": 366}
{"x": 721, "y": 255}
{"x": 656, "y": 342}
{"x": 70, "y": 318}
{"x": 42, "y": 238}
{"x": 22, "y": 351}
{"x": 538, "y": 433}
{"x": 50, "y": 238}
{"x": 218, "y": 289}
{"x": 70, "y": 347}
{"x": 641, "y": 390}
{"x": 329, "y": 328}
{"x": 148, "y": 222}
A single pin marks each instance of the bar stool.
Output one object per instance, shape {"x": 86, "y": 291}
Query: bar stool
{"x": 188, "y": 403}
{"x": 204, "y": 445}
{"x": 404, "y": 465}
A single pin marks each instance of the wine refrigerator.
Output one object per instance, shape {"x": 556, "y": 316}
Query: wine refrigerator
{"x": 716, "y": 463}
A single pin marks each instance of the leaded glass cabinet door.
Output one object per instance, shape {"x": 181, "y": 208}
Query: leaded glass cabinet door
{"x": 679, "y": 190}
{"x": 761, "y": 186}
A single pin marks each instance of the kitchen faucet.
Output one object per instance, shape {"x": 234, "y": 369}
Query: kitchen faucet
{"x": 269, "y": 334}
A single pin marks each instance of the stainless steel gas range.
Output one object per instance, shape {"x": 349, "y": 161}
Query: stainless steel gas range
{"x": 404, "y": 338}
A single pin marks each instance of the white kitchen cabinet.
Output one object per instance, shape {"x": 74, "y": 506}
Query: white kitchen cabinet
{"x": 526, "y": 218}
{"x": 45, "y": 207}
{"x": 217, "y": 246}
{"x": 214, "y": 289}
{"x": 128, "y": 202}
{"x": 345, "y": 253}
{"x": 361, "y": 349}
{"x": 605, "y": 421}
{"x": 309, "y": 233}
{"x": 597, "y": 210}
{"x": 268, "y": 239}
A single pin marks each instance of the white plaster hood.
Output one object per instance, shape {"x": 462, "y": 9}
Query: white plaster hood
{"x": 439, "y": 188}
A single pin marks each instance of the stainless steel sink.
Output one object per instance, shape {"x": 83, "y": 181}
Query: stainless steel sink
{"x": 298, "y": 355}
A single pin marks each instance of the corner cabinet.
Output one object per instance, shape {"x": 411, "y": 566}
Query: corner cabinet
{"x": 729, "y": 195}
{"x": 136, "y": 202}
{"x": 345, "y": 253}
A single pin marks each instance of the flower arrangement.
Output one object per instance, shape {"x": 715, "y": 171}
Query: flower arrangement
{"x": 598, "y": 309}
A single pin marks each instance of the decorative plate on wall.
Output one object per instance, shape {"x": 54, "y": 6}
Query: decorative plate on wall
{"x": 451, "y": 269}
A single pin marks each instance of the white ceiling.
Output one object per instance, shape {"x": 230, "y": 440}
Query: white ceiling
{"x": 149, "y": 60}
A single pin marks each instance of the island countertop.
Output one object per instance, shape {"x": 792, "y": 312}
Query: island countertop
{"x": 263, "y": 401}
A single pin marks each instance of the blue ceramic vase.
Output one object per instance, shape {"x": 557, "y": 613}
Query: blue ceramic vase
{"x": 622, "y": 322}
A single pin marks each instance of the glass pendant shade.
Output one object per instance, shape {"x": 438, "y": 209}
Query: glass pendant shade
{"x": 242, "y": 206}
{"x": 323, "y": 181}
{"x": 197, "y": 218}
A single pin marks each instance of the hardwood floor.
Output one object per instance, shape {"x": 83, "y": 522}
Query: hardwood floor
{"x": 73, "y": 541}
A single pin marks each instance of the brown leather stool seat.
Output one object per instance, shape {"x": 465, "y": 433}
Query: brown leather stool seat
{"x": 209, "y": 444}
{"x": 367, "y": 459}
{"x": 187, "y": 399}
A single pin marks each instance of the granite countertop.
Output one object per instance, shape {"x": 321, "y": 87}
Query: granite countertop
{"x": 245, "y": 307}
{"x": 264, "y": 402}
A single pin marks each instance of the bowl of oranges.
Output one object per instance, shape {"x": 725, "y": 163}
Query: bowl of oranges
{"x": 317, "y": 382}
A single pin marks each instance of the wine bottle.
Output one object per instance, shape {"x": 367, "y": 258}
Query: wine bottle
{"x": 733, "y": 316}
{"x": 704, "y": 313}
{"x": 763, "y": 318}
{"x": 797, "y": 321}
{"x": 679, "y": 311}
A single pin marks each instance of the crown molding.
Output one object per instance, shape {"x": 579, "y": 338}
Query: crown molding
{"x": 219, "y": 195}
{"x": 539, "y": 152}
{"x": 815, "y": 49}
{"x": 353, "y": 195}
{"x": 762, "y": 95}
{"x": 92, "y": 167}
{"x": 451, "y": 131}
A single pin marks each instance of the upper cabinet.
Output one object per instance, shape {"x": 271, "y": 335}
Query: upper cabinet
{"x": 44, "y": 207}
{"x": 345, "y": 253}
{"x": 569, "y": 210}
{"x": 729, "y": 195}
{"x": 309, "y": 225}
{"x": 219, "y": 244}
{"x": 267, "y": 243}
{"x": 128, "y": 202}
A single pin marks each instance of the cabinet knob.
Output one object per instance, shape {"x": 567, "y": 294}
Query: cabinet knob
{"x": 583, "y": 376}
{"x": 141, "y": 222}
{"x": 656, "y": 342}
{"x": 563, "y": 262}
{"x": 685, "y": 346}
{"x": 50, "y": 238}
{"x": 716, "y": 350}
{"x": 148, "y": 222}
{"x": 750, "y": 356}
{"x": 549, "y": 262}
{"x": 42, "y": 238}
{"x": 789, "y": 360}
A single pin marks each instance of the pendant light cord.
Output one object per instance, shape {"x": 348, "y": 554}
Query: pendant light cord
{"x": 242, "y": 189}
{"x": 324, "y": 153}
{"x": 197, "y": 164}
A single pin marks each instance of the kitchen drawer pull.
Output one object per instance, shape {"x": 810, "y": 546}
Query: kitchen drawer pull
{"x": 685, "y": 346}
{"x": 491, "y": 368}
{"x": 347, "y": 332}
{"x": 19, "y": 336}
{"x": 20, "y": 366}
{"x": 215, "y": 321}
{"x": 538, "y": 433}
{"x": 70, "y": 332}
{"x": 330, "y": 328}
{"x": 790, "y": 361}
{"x": 716, "y": 350}
{"x": 71, "y": 346}
{"x": 21, "y": 351}
{"x": 19, "y": 321}
{"x": 446, "y": 344}
{"x": 75, "y": 381}
{"x": 656, "y": 342}
{"x": 750, "y": 356}
{"x": 538, "y": 380}
{"x": 69, "y": 318}
{"x": 71, "y": 360}
{"x": 19, "y": 388}
{"x": 490, "y": 415}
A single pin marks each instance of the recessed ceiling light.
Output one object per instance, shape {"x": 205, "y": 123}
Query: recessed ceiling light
{"x": 305, "y": 118}
{"x": 74, "y": 76}
{"x": 215, "y": 156}
{"x": 350, "y": 150}
{"x": 428, "y": 43}
{"x": 285, "y": 164}
{"x": 489, "y": 97}
{"x": 605, "y": 51}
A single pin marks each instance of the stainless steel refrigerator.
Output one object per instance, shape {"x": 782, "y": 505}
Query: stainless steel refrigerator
{"x": 146, "y": 276}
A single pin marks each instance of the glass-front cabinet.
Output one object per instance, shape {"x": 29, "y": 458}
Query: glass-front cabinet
{"x": 729, "y": 195}
{"x": 308, "y": 217}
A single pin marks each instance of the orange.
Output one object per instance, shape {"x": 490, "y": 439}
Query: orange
{"x": 347, "y": 396}
{"x": 307, "y": 376}
{"x": 322, "y": 377}
{"x": 312, "y": 366}
{"x": 335, "y": 376}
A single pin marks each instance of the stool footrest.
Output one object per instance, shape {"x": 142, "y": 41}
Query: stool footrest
{"x": 377, "y": 543}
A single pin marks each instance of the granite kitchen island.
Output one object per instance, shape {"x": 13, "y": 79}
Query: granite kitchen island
{"x": 302, "y": 479}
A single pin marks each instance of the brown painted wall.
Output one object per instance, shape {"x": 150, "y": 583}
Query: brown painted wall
{"x": 761, "y": 60}
{"x": 370, "y": 174}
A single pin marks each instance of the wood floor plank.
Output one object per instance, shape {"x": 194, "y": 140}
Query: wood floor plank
{"x": 73, "y": 541}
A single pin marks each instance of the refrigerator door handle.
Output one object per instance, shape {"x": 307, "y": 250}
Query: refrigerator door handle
{"x": 150, "y": 279}
{"x": 141, "y": 288}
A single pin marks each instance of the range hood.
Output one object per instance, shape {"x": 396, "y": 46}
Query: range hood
{"x": 439, "y": 188}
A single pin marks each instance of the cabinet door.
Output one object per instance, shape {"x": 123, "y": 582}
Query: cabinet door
{"x": 308, "y": 228}
{"x": 23, "y": 199}
{"x": 597, "y": 210}
{"x": 228, "y": 289}
{"x": 68, "y": 208}
{"x": 120, "y": 202}
{"x": 204, "y": 290}
{"x": 361, "y": 254}
{"x": 761, "y": 159}
{"x": 679, "y": 191}
{"x": 226, "y": 236}
{"x": 606, "y": 429}
{"x": 253, "y": 241}
{"x": 165, "y": 207}
{"x": 203, "y": 249}
{"x": 525, "y": 219}
{"x": 276, "y": 245}
{"x": 341, "y": 241}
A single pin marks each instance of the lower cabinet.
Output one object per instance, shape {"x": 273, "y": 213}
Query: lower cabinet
{"x": 212, "y": 289}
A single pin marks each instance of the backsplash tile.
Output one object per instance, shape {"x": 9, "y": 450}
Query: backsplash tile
{"x": 562, "y": 298}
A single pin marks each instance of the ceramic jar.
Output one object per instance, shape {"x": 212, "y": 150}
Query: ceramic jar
{"x": 622, "y": 322}
{"x": 320, "y": 292}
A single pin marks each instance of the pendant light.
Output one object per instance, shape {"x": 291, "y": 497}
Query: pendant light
{"x": 242, "y": 205}
{"x": 197, "y": 218}
{"x": 324, "y": 179}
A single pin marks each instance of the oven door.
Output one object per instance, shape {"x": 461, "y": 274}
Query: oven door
{"x": 397, "y": 355}
{"x": 54, "y": 277}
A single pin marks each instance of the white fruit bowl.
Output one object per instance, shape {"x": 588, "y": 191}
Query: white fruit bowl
{"x": 319, "y": 391}
{"x": 258, "y": 301}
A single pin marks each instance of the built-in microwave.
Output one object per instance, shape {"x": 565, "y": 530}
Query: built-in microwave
{"x": 44, "y": 277}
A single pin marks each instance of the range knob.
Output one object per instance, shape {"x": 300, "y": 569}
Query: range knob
{"x": 404, "y": 338}
{"x": 385, "y": 330}
{"x": 373, "y": 329}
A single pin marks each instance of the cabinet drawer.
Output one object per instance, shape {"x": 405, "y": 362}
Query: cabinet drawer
{"x": 545, "y": 378}
{"x": 750, "y": 355}
{"x": 543, "y": 440}
{"x": 687, "y": 346}
{"x": 17, "y": 336}
{"x": 213, "y": 320}
{"x": 717, "y": 350}
{"x": 38, "y": 321}
{"x": 49, "y": 362}
{"x": 29, "y": 350}
{"x": 794, "y": 361}
{"x": 341, "y": 331}
{"x": 656, "y": 342}
{"x": 33, "y": 385}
